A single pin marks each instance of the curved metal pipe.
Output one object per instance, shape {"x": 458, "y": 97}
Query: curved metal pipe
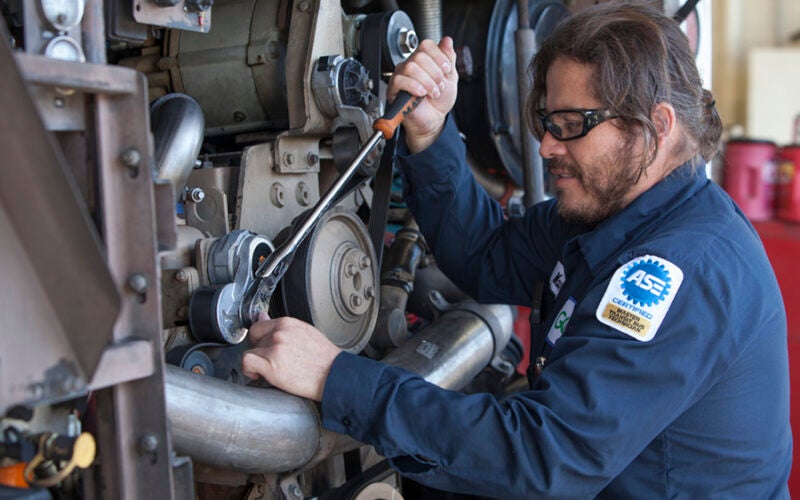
{"x": 268, "y": 431}
{"x": 178, "y": 128}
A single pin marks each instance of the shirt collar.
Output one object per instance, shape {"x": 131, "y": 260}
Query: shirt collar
{"x": 652, "y": 206}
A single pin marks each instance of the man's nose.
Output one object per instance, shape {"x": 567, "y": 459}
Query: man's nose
{"x": 551, "y": 147}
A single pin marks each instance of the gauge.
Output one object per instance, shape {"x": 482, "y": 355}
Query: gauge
{"x": 64, "y": 48}
{"x": 62, "y": 14}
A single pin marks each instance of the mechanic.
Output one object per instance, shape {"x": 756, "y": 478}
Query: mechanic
{"x": 660, "y": 364}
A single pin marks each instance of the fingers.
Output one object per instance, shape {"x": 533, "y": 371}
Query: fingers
{"x": 426, "y": 72}
{"x": 255, "y": 363}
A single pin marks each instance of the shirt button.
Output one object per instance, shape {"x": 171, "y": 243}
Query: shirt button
{"x": 346, "y": 421}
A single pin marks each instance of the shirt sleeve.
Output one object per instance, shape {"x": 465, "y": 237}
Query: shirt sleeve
{"x": 493, "y": 259}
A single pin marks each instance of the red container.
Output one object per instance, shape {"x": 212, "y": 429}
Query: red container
{"x": 788, "y": 187}
{"x": 750, "y": 177}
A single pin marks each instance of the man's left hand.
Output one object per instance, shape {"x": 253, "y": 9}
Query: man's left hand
{"x": 291, "y": 355}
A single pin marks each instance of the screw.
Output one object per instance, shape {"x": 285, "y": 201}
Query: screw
{"x": 238, "y": 116}
{"x": 288, "y": 158}
{"x": 197, "y": 195}
{"x": 369, "y": 292}
{"x": 355, "y": 300}
{"x": 312, "y": 159}
{"x": 182, "y": 312}
{"x": 58, "y": 102}
{"x": 364, "y": 261}
{"x": 181, "y": 276}
{"x": 349, "y": 271}
{"x": 148, "y": 443}
{"x": 303, "y": 6}
{"x": 138, "y": 282}
{"x": 131, "y": 157}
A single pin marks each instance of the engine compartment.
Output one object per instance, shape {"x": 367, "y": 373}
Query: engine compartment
{"x": 160, "y": 152}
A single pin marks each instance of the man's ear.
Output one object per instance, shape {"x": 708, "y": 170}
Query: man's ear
{"x": 663, "y": 116}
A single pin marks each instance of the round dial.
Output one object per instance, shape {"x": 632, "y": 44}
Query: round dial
{"x": 62, "y": 14}
{"x": 64, "y": 48}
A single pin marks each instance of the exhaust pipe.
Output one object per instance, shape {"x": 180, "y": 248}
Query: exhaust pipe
{"x": 262, "y": 431}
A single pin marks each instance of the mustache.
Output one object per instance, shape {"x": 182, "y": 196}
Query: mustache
{"x": 560, "y": 164}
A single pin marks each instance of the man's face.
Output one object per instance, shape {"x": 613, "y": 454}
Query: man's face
{"x": 596, "y": 175}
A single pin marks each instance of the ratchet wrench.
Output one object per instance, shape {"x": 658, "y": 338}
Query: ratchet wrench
{"x": 270, "y": 272}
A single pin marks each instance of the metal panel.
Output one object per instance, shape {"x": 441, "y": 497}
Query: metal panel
{"x": 47, "y": 225}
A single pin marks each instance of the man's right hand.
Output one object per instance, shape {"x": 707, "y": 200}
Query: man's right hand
{"x": 430, "y": 71}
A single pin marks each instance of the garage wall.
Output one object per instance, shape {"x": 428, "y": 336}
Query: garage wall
{"x": 743, "y": 30}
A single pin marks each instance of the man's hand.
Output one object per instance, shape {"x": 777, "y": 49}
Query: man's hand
{"x": 291, "y": 355}
{"x": 430, "y": 71}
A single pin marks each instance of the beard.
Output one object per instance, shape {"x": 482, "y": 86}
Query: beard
{"x": 606, "y": 184}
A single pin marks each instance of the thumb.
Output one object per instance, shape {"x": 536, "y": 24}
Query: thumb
{"x": 263, "y": 316}
{"x": 254, "y": 365}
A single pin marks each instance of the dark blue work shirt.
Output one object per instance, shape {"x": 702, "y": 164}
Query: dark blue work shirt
{"x": 664, "y": 331}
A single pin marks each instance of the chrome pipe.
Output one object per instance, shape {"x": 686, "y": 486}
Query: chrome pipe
{"x": 241, "y": 428}
{"x": 178, "y": 129}
{"x": 261, "y": 431}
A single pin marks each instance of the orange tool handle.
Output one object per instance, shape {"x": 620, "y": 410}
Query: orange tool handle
{"x": 402, "y": 106}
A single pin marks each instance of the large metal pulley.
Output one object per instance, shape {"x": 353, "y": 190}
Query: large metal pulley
{"x": 332, "y": 281}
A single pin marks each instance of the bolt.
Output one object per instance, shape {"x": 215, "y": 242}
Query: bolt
{"x": 278, "y": 195}
{"x": 138, "y": 282}
{"x": 369, "y": 292}
{"x": 58, "y": 102}
{"x": 364, "y": 261}
{"x": 355, "y": 300}
{"x": 239, "y": 116}
{"x": 182, "y": 312}
{"x": 131, "y": 157}
{"x": 312, "y": 159}
{"x": 303, "y": 6}
{"x": 349, "y": 271}
{"x": 197, "y": 195}
{"x": 288, "y": 158}
{"x": 181, "y": 276}
{"x": 408, "y": 41}
{"x": 148, "y": 443}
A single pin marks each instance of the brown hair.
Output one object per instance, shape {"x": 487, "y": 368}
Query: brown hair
{"x": 641, "y": 58}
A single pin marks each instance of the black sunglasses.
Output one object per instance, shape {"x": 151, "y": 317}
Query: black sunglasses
{"x": 568, "y": 124}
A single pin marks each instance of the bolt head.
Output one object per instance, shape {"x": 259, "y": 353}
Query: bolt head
{"x": 148, "y": 443}
{"x": 131, "y": 157}
{"x": 138, "y": 282}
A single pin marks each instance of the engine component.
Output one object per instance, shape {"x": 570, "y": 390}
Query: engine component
{"x": 340, "y": 82}
{"x": 245, "y": 57}
{"x": 229, "y": 426}
{"x": 76, "y": 452}
{"x": 231, "y": 262}
{"x": 397, "y": 282}
{"x": 332, "y": 281}
{"x": 177, "y": 123}
{"x": 258, "y": 295}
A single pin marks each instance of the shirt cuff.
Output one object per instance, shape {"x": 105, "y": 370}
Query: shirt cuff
{"x": 436, "y": 164}
{"x": 348, "y": 394}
